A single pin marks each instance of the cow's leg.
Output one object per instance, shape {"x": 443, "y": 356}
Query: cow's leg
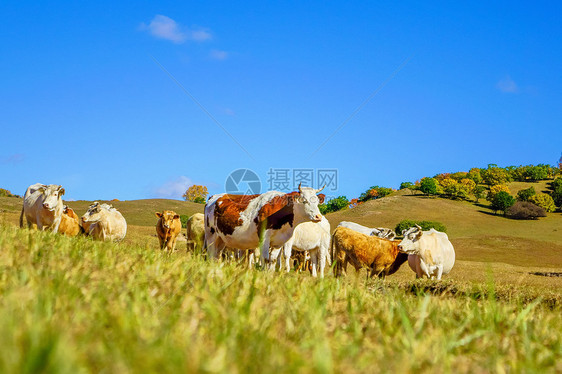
{"x": 264, "y": 245}
{"x": 273, "y": 255}
{"x": 287, "y": 252}
{"x": 323, "y": 257}
{"x": 439, "y": 272}
{"x": 314, "y": 262}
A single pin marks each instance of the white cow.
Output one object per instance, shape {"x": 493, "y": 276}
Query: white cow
{"x": 43, "y": 206}
{"x": 313, "y": 237}
{"x": 104, "y": 222}
{"x": 430, "y": 252}
{"x": 381, "y": 232}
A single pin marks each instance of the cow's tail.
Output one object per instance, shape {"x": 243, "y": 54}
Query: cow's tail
{"x": 21, "y": 218}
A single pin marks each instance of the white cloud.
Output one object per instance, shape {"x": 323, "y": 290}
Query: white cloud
{"x": 507, "y": 85}
{"x": 163, "y": 27}
{"x": 229, "y": 112}
{"x": 218, "y": 55}
{"x": 173, "y": 189}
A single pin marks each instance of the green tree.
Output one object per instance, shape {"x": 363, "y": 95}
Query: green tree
{"x": 502, "y": 201}
{"x": 525, "y": 195}
{"x": 494, "y": 175}
{"x": 475, "y": 175}
{"x": 557, "y": 196}
{"x": 429, "y": 186}
{"x": 478, "y": 192}
{"x": 333, "y": 205}
{"x": 375, "y": 192}
{"x": 425, "y": 225}
{"x": 404, "y": 185}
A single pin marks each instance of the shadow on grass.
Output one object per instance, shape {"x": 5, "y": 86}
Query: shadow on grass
{"x": 478, "y": 292}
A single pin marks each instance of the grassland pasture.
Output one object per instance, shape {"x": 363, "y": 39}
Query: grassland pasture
{"x": 76, "y": 305}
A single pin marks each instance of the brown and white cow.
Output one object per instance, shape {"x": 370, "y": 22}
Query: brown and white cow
{"x": 379, "y": 255}
{"x": 245, "y": 222}
{"x": 70, "y": 223}
{"x": 43, "y": 206}
{"x": 168, "y": 228}
{"x": 195, "y": 232}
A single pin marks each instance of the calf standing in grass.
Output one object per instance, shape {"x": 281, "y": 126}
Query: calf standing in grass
{"x": 379, "y": 255}
{"x": 168, "y": 228}
{"x": 430, "y": 252}
{"x": 195, "y": 232}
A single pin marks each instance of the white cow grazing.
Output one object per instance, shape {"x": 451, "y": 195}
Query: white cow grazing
{"x": 381, "y": 232}
{"x": 104, "y": 222}
{"x": 313, "y": 237}
{"x": 43, "y": 206}
{"x": 430, "y": 252}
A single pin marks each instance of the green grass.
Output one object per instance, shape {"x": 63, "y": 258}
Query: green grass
{"x": 75, "y": 305}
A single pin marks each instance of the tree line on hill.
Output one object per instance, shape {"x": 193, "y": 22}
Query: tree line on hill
{"x": 477, "y": 183}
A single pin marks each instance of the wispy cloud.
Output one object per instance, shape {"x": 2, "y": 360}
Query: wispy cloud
{"x": 507, "y": 85}
{"x": 229, "y": 112}
{"x": 14, "y": 159}
{"x": 163, "y": 27}
{"x": 218, "y": 55}
{"x": 172, "y": 189}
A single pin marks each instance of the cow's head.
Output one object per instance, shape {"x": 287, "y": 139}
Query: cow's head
{"x": 306, "y": 204}
{"x": 53, "y": 196}
{"x": 69, "y": 212}
{"x": 167, "y": 217}
{"x": 93, "y": 214}
{"x": 411, "y": 242}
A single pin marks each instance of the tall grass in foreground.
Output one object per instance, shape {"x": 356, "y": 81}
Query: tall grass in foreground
{"x": 72, "y": 305}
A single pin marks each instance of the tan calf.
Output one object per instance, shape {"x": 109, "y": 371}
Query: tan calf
{"x": 168, "y": 228}
{"x": 379, "y": 255}
{"x": 70, "y": 223}
{"x": 195, "y": 232}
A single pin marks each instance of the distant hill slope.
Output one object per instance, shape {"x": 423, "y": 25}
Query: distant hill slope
{"x": 476, "y": 233}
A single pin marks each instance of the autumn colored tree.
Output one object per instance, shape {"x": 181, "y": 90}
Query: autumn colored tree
{"x": 196, "y": 194}
{"x": 544, "y": 201}
{"x": 494, "y": 190}
{"x": 495, "y": 175}
{"x": 475, "y": 175}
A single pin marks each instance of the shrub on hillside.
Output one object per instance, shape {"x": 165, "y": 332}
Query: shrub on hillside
{"x": 375, "y": 192}
{"x": 525, "y": 195}
{"x": 502, "y": 201}
{"x": 425, "y": 225}
{"x": 545, "y": 201}
{"x": 451, "y": 187}
{"x": 525, "y": 210}
{"x": 333, "y": 205}
{"x": 557, "y": 196}
{"x": 6, "y": 193}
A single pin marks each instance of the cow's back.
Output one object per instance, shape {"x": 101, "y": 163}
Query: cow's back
{"x": 311, "y": 235}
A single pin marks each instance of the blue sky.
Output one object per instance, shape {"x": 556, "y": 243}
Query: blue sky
{"x": 84, "y": 101}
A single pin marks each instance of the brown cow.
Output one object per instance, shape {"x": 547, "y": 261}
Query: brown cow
{"x": 70, "y": 222}
{"x": 168, "y": 228}
{"x": 379, "y": 255}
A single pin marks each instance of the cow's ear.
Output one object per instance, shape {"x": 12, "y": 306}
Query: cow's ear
{"x": 158, "y": 214}
{"x": 61, "y": 191}
{"x": 177, "y": 216}
{"x": 321, "y": 198}
{"x": 419, "y": 235}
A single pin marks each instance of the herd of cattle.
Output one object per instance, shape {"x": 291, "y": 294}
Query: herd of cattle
{"x": 269, "y": 226}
